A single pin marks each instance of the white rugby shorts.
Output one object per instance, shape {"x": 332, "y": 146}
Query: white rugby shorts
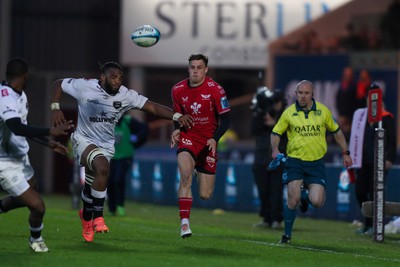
{"x": 80, "y": 143}
{"x": 15, "y": 174}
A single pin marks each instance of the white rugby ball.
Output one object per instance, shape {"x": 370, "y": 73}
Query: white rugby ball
{"x": 145, "y": 36}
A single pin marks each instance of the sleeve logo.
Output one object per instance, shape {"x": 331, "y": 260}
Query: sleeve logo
{"x": 4, "y": 92}
{"x": 224, "y": 102}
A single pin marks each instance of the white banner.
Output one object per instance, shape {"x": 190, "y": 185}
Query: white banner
{"x": 232, "y": 33}
{"x": 357, "y": 136}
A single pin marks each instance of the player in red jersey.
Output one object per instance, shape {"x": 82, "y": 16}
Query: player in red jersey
{"x": 206, "y": 101}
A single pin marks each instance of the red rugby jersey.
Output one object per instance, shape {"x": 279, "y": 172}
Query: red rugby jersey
{"x": 204, "y": 103}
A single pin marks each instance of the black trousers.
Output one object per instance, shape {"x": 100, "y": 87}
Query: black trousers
{"x": 116, "y": 182}
{"x": 270, "y": 192}
{"x": 364, "y": 187}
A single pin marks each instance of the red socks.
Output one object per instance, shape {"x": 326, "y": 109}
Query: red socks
{"x": 185, "y": 204}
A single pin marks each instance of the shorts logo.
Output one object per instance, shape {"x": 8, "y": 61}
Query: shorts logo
{"x": 187, "y": 142}
{"x": 117, "y": 104}
{"x": 4, "y": 92}
{"x": 210, "y": 161}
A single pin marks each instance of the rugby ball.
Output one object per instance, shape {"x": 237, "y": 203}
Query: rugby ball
{"x": 145, "y": 36}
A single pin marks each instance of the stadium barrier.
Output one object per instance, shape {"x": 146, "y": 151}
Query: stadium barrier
{"x": 156, "y": 182}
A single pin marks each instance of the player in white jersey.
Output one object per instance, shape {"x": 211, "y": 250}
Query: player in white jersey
{"x": 101, "y": 103}
{"x": 16, "y": 173}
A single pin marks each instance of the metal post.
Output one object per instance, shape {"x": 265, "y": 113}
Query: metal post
{"x": 379, "y": 185}
{"x": 375, "y": 116}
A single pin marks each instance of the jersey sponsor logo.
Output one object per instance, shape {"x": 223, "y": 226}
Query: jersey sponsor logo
{"x": 195, "y": 107}
{"x": 93, "y": 101}
{"x": 308, "y": 130}
{"x": 117, "y": 104}
{"x": 4, "y": 92}
{"x": 224, "y": 102}
{"x": 200, "y": 120}
{"x": 205, "y": 97}
{"x": 186, "y": 142}
{"x": 97, "y": 102}
{"x": 103, "y": 118}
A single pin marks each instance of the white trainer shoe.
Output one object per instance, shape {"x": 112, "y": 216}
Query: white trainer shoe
{"x": 38, "y": 246}
{"x": 185, "y": 229}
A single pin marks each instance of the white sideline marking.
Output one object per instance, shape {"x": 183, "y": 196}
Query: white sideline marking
{"x": 319, "y": 250}
{"x": 294, "y": 247}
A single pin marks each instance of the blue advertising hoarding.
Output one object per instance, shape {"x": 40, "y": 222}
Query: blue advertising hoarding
{"x": 156, "y": 182}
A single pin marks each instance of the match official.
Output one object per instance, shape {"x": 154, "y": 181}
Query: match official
{"x": 305, "y": 122}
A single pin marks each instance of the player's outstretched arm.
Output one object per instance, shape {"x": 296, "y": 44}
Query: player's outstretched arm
{"x": 167, "y": 113}
{"x": 18, "y": 128}
{"x": 56, "y": 146}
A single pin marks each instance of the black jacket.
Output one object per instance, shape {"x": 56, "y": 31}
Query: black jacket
{"x": 388, "y": 123}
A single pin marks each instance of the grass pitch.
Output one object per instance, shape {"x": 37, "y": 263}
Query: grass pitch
{"x": 149, "y": 236}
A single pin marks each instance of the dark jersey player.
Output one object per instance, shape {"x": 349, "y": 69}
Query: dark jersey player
{"x": 205, "y": 101}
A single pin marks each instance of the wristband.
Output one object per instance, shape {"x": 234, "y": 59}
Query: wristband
{"x": 55, "y": 106}
{"x": 176, "y": 116}
{"x": 346, "y": 153}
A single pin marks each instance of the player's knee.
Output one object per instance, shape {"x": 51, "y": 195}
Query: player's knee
{"x": 103, "y": 169}
{"x": 205, "y": 195}
{"x": 317, "y": 204}
{"x": 96, "y": 160}
{"x": 293, "y": 203}
{"x": 37, "y": 207}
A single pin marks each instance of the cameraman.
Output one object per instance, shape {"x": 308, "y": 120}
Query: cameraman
{"x": 267, "y": 107}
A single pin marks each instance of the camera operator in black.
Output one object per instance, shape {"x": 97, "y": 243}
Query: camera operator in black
{"x": 267, "y": 106}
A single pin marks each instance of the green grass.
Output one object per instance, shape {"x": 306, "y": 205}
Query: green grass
{"x": 149, "y": 236}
